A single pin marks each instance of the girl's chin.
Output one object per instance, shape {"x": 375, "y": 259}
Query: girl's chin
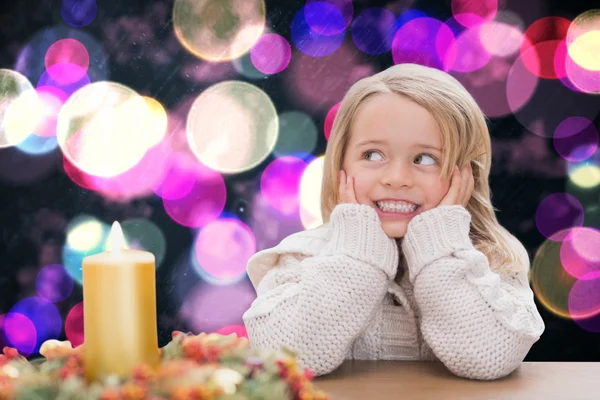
{"x": 395, "y": 229}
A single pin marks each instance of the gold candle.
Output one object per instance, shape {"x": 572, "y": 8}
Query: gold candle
{"x": 119, "y": 305}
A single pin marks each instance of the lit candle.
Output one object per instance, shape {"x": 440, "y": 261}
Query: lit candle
{"x": 119, "y": 305}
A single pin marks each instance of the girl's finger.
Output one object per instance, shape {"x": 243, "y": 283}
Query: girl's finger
{"x": 342, "y": 188}
{"x": 351, "y": 191}
{"x": 464, "y": 187}
{"x": 454, "y": 190}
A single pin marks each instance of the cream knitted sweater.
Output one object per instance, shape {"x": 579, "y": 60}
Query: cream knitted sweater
{"x": 327, "y": 293}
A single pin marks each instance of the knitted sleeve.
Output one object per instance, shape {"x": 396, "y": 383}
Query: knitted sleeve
{"x": 317, "y": 306}
{"x": 479, "y": 323}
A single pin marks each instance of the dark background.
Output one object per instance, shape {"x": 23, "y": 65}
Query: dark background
{"x": 34, "y": 213}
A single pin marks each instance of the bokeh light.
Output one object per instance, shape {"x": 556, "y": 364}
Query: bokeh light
{"x": 54, "y": 283}
{"x": 425, "y": 41}
{"x": 79, "y": 13}
{"x": 549, "y": 280}
{"x": 373, "y": 30}
{"x": 581, "y": 79}
{"x": 576, "y": 139}
{"x": 34, "y": 145}
{"x": 473, "y": 13}
{"x": 238, "y": 330}
{"x": 62, "y": 76}
{"x": 325, "y": 11}
{"x": 542, "y": 40}
{"x": 310, "y": 194}
{"x": 280, "y": 183}
{"x": 137, "y": 182}
{"x": 583, "y": 40}
{"x": 99, "y": 128}
{"x": 68, "y": 51}
{"x": 178, "y": 180}
{"x": 580, "y": 254}
{"x": 330, "y": 119}
{"x": 502, "y": 86}
{"x": 309, "y": 41}
{"x": 244, "y": 66}
{"x": 316, "y": 84}
{"x": 232, "y": 126}
{"x": 31, "y": 61}
{"x": 472, "y": 55}
{"x": 584, "y": 51}
{"x": 297, "y": 134}
{"x": 520, "y": 85}
{"x": 218, "y": 30}
{"x": 269, "y": 225}
{"x": 577, "y": 77}
{"x": 74, "y": 325}
{"x": 324, "y": 18}
{"x": 43, "y": 314}
{"x": 271, "y": 54}
{"x": 142, "y": 234}
{"x": 86, "y": 235}
{"x": 208, "y": 308}
{"x": 19, "y": 106}
{"x": 20, "y": 332}
{"x": 500, "y": 38}
{"x": 557, "y": 213}
{"x": 584, "y": 302}
{"x": 51, "y": 101}
{"x": 222, "y": 249}
{"x": 549, "y": 104}
{"x": 585, "y": 175}
{"x": 204, "y": 202}
{"x": 154, "y": 122}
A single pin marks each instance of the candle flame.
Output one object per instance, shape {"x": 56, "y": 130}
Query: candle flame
{"x": 116, "y": 240}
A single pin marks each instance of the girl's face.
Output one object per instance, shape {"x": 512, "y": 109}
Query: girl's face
{"x": 394, "y": 155}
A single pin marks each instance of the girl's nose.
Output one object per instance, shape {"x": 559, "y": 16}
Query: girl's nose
{"x": 398, "y": 175}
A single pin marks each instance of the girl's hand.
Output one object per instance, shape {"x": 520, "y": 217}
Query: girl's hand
{"x": 347, "y": 194}
{"x": 461, "y": 188}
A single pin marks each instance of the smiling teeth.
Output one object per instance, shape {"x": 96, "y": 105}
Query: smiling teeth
{"x": 396, "y": 206}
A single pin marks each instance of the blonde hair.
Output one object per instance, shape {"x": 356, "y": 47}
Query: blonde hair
{"x": 465, "y": 138}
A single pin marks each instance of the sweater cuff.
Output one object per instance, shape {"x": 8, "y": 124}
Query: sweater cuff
{"x": 434, "y": 234}
{"x": 357, "y": 233}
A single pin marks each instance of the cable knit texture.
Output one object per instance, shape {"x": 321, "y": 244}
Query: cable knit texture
{"x": 328, "y": 294}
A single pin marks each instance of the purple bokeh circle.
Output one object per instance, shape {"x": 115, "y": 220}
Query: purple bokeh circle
{"x": 55, "y": 77}
{"x": 271, "y": 54}
{"x": 557, "y": 212}
{"x": 280, "y": 183}
{"x": 425, "y": 41}
{"x": 576, "y": 139}
{"x": 54, "y": 283}
{"x": 326, "y": 15}
{"x": 373, "y": 30}
{"x": 43, "y": 314}
{"x": 310, "y": 42}
{"x": 79, "y": 13}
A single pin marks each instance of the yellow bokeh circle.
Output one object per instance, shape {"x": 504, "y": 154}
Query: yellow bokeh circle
{"x": 102, "y": 128}
{"x": 20, "y": 108}
{"x": 218, "y": 30}
{"x": 232, "y": 126}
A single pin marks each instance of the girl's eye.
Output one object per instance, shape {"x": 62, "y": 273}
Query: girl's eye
{"x": 369, "y": 154}
{"x": 422, "y": 157}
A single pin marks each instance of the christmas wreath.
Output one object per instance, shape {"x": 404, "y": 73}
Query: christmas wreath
{"x": 193, "y": 367}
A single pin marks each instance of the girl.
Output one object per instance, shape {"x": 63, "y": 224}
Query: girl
{"x": 411, "y": 262}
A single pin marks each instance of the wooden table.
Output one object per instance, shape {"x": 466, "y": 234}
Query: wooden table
{"x": 417, "y": 380}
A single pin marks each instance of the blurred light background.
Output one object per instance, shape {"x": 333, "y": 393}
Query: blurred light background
{"x": 201, "y": 126}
